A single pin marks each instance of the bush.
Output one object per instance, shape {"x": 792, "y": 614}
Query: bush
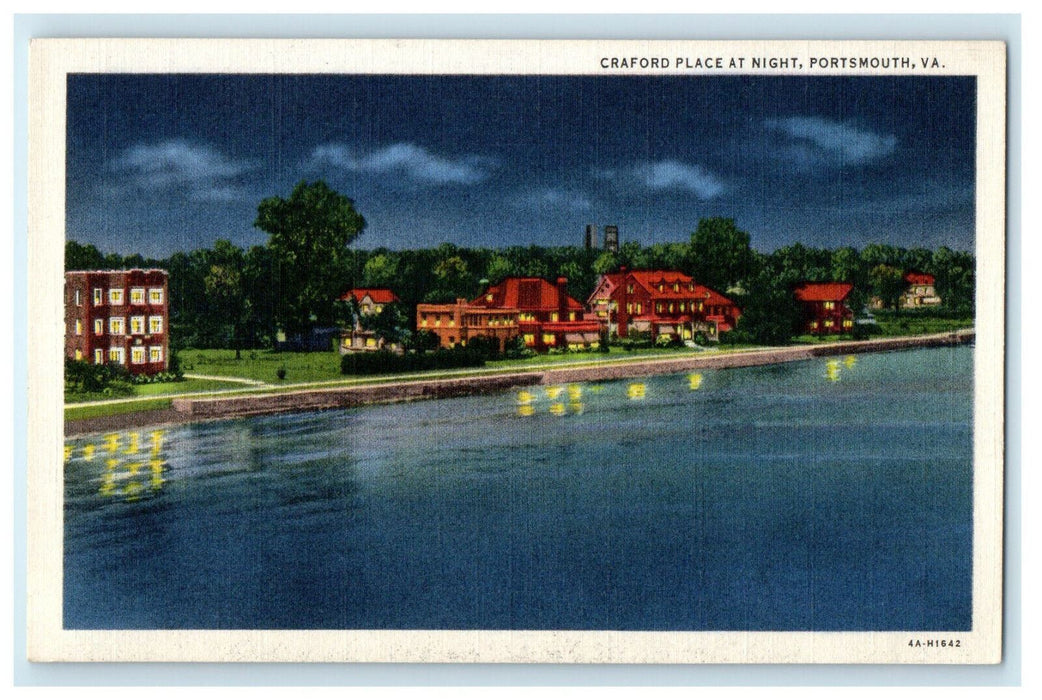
{"x": 281, "y": 372}
{"x": 701, "y": 338}
{"x": 384, "y": 362}
{"x": 109, "y": 379}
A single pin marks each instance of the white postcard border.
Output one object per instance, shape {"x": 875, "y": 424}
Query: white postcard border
{"x": 52, "y": 60}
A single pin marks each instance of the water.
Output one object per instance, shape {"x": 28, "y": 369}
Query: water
{"x": 820, "y": 495}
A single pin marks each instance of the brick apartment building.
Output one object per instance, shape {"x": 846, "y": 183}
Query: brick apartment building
{"x": 118, "y": 316}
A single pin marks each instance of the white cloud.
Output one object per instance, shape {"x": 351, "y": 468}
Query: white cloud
{"x": 821, "y": 139}
{"x": 672, "y": 174}
{"x": 556, "y": 198}
{"x": 409, "y": 159}
{"x": 200, "y": 171}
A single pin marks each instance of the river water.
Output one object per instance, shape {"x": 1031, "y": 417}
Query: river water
{"x": 833, "y": 494}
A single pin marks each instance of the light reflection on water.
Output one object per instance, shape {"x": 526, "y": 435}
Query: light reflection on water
{"x": 759, "y": 498}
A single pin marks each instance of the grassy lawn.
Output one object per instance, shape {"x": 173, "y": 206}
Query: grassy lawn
{"x": 263, "y": 365}
{"x": 915, "y": 323}
{"x": 99, "y": 410}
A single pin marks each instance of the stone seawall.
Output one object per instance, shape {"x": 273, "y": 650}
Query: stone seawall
{"x": 349, "y": 397}
{"x": 315, "y": 399}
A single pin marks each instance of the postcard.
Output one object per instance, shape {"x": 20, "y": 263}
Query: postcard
{"x": 516, "y": 351}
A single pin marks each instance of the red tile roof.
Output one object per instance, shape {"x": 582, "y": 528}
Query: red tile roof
{"x": 919, "y": 278}
{"x": 524, "y": 294}
{"x": 379, "y": 295}
{"x": 823, "y": 291}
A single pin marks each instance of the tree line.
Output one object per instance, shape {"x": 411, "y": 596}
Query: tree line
{"x": 230, "y": 297}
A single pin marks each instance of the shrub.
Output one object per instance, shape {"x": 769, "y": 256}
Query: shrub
{"x": 384, "y": 362}
{"x": 281, "y": 372}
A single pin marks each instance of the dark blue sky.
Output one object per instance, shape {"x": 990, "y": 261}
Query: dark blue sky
{"x": 160, "y": 163}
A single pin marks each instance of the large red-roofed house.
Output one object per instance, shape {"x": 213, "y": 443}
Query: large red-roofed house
{"x": 824, "y": 308}
{"x": 540, "y": 312}
{"x": 662, "y": 303}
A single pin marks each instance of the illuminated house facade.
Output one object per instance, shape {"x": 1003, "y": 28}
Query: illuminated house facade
{"x": 540, "y": 312}
{"x": 824, "y": 307}
{"x": 920, "y": 291}
{"x": 118, "y": 316}
{"x": 369, "y": 301}
{"x": 662, "y": 303}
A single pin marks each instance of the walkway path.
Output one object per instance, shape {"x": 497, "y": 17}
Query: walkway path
{"x": 236, "y": 380}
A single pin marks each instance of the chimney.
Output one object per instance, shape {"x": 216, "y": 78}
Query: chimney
{"x": 562, "y": 298}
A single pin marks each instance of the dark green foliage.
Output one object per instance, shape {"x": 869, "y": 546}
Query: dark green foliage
{"x": 719, "y": 256}
{"x": 85, "y": 378}
{"x": 515, "y": 349}
{"x": 309, "y": 234}
{"x": 383, "y": 362}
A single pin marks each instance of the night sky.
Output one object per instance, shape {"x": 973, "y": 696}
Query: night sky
{"x": 161, "y": 163}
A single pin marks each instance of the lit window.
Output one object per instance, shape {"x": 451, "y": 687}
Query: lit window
{"x": 571, "y": 315}
{"x": 155, "y": 324}
{"x": 828, "y": 324}
{"x": 97, "y": 296}
{"x": 529, "y": 339}
{"x": 640, "y": 308}
{"x": 671, "y": 307}
{"x": 813, "y": 325}
{"x": 629, "y": 308}
{"x": 137, "y": 355}
{"x": 116, "y": 355}
{"x": 137, "y": 295}
{"x": 116, "y": 297}
{"x": 79, "y": 327}
{"x": 847, "y": 323}
{"x": 155, "y": 354}
{"x": 370, "y": 342}
{"x": 76, "y": 297}
{"x": 99, "y": 326}
{"x": 99, "y": 357}
{"x": 423, "y": 322}
{"x": 379, "y": 308}
{"x": 554, "y": 316}
{"x": 116, "y": 326}
{"x": 629, "y": 289}
{"x": 830, "y": 305}
{"x": 658, "y": 307}
{"x": 155, "y": 296}
{"x": 676, "y": 286}
{"x": 549, "y": 339}
{"x": 137, "y": 325}
{"x": 79, "y": 354}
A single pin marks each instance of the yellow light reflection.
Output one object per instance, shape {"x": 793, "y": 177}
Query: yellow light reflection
{"x": 832, "y": 370}
{"x": 694, "y": 381}
{"x": 576, "y": 407}
{"x": 850, "y": 361}
{"x": 575, "y": 392}
{"x": 127, "y": 477}
{"x": 525, "y": 409}
{"x": 552, "y": 392}
{"x": 557, "y": 408}
{"x": 636, "y": 390}
{"x": 525, "y": 397}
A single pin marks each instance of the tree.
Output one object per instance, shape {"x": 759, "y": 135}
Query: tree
{"x": 720, "y": 255}
{"x": 225, "y": 292}
{"x": 381, "y": 270}
{"x": 309, "y": 235}
{"x": 888, "y": 283}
